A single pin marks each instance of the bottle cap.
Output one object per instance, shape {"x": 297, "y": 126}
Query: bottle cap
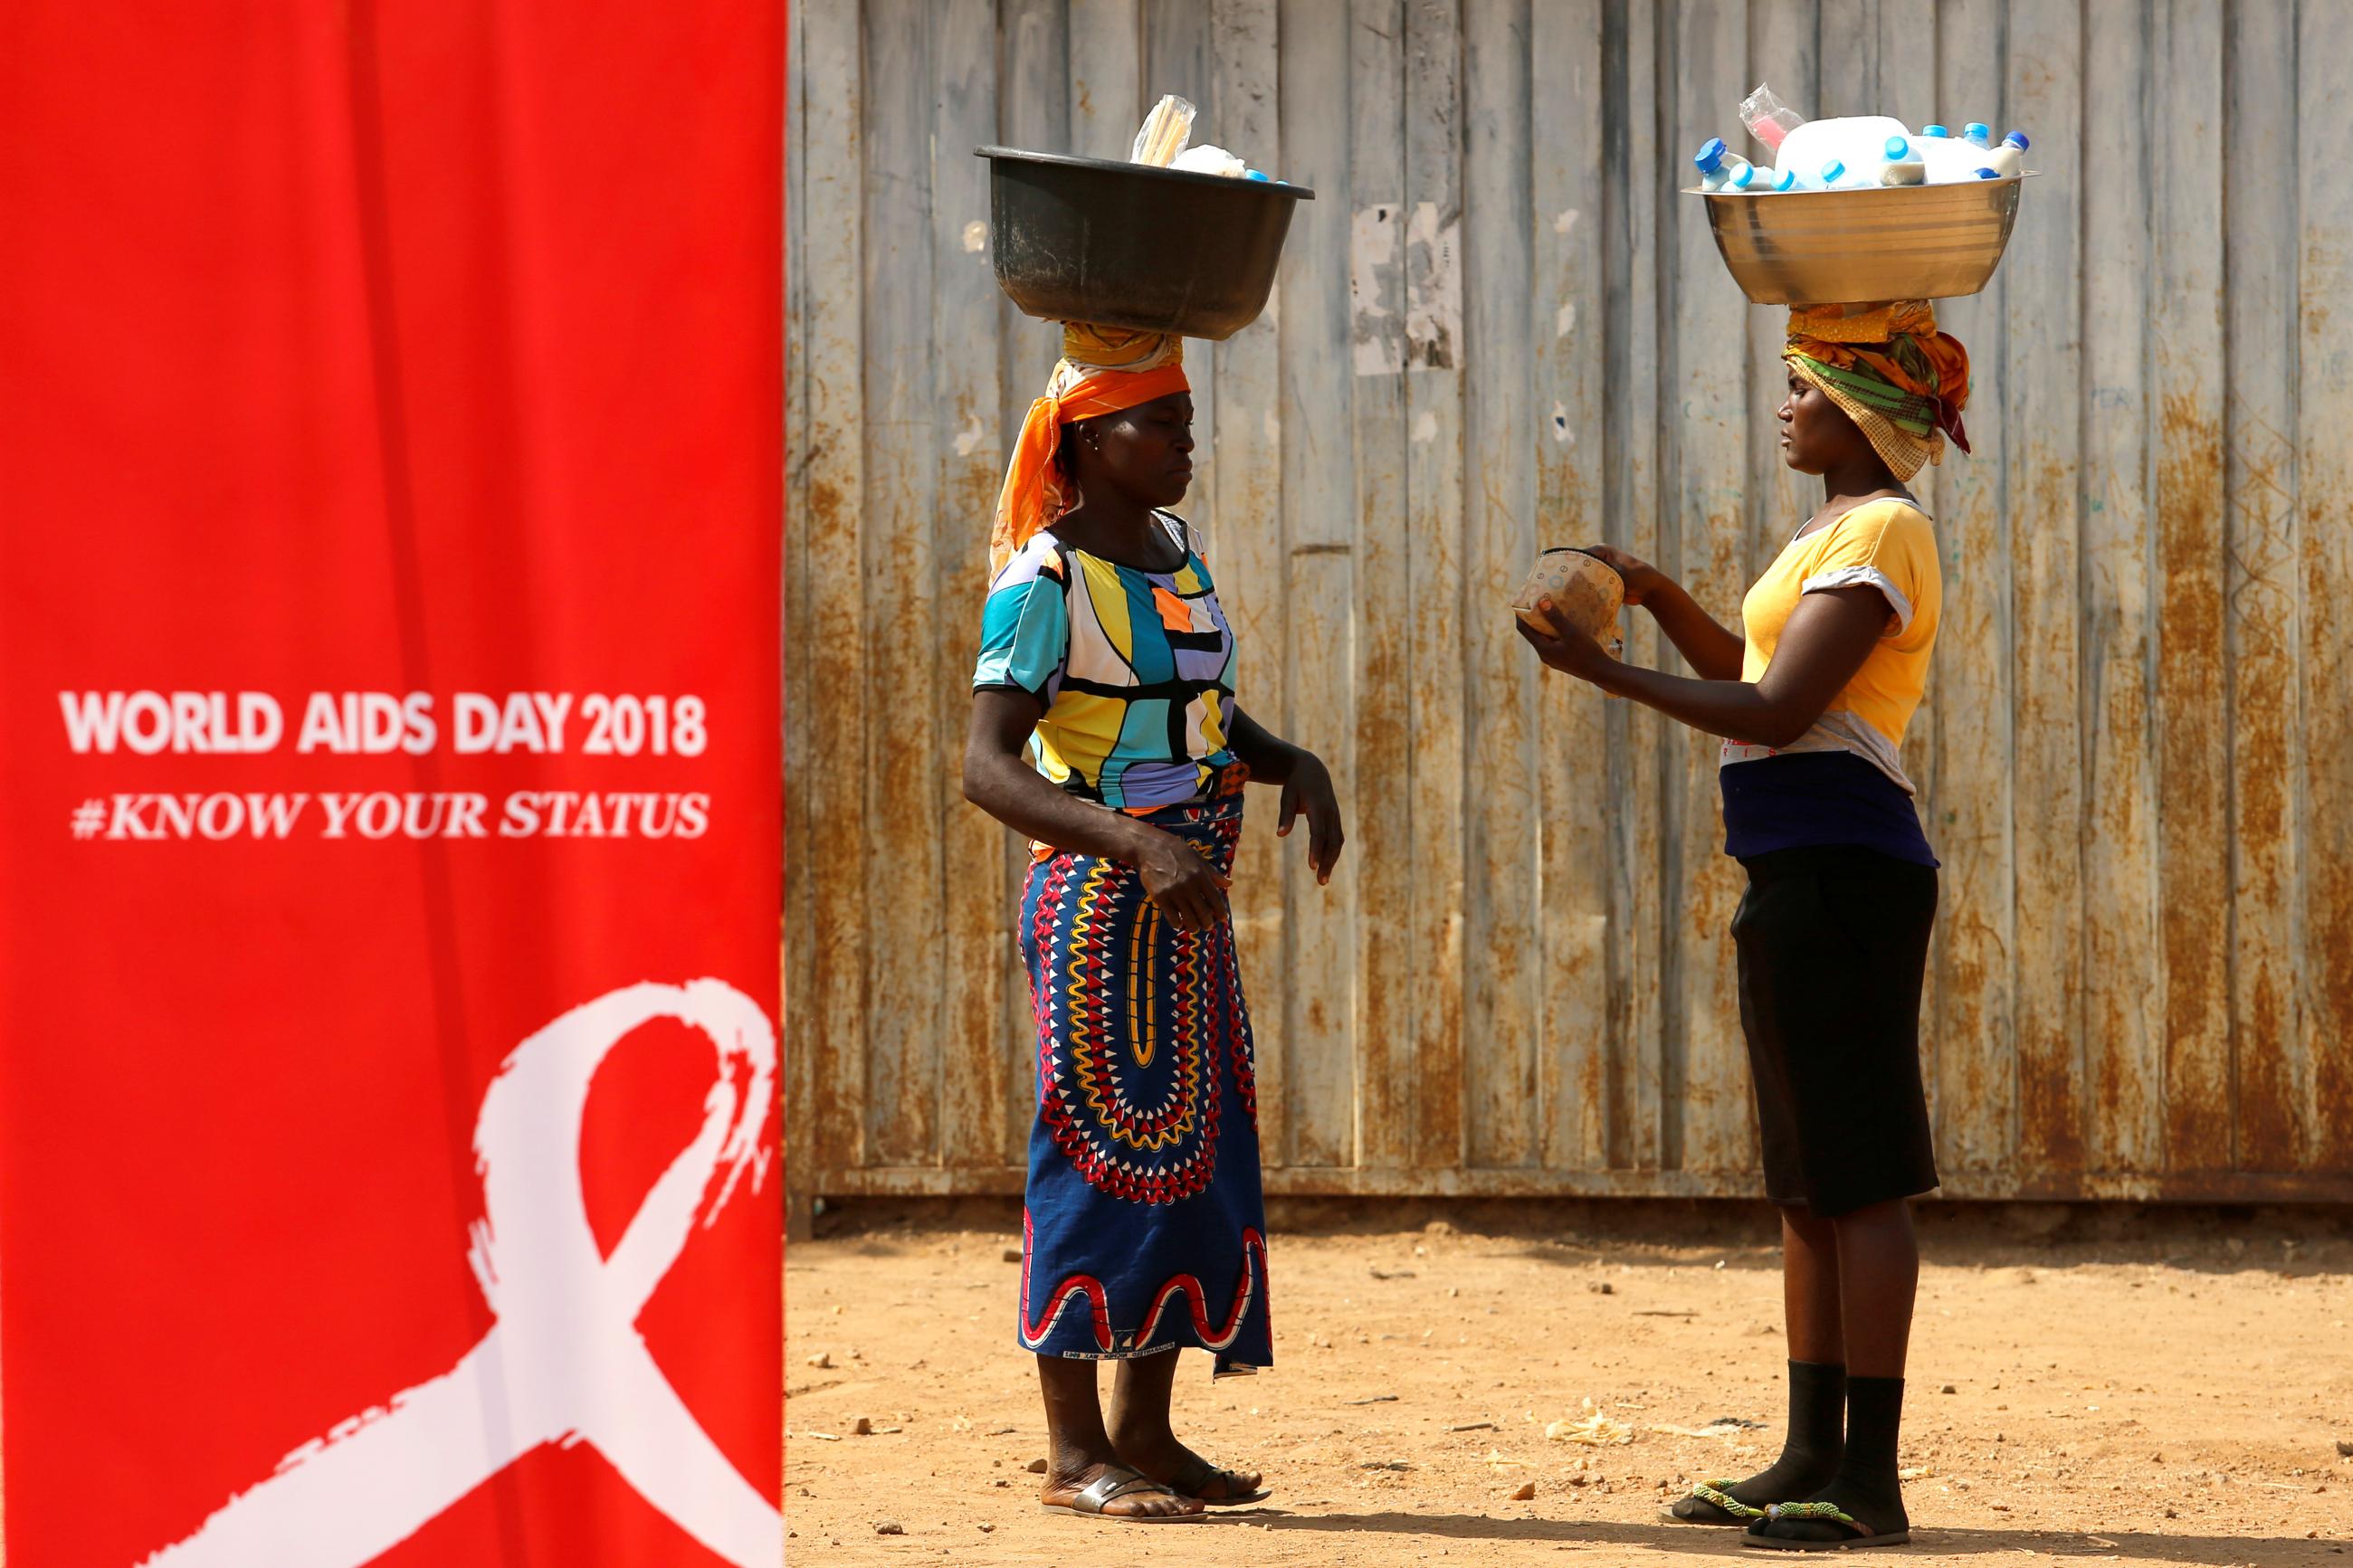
{"x": 2018, "y": 139}
{"x": 1784, "y": 180}
{"x": 1833, "y": 172}
{"x": 1744, "y": 177}
{"x": 1988, "y": 174}
{"x": 1710, "y": 158}
{"x": 1898, "y": 149}
{"x": 1935, "y": 131}
{"x": 1979, "y": 131}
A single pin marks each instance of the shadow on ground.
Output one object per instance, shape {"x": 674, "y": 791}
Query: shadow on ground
{"x": 2221, "y": 1550}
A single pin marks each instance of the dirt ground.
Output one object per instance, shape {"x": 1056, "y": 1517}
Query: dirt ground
{"x": 2125, "y": 1387}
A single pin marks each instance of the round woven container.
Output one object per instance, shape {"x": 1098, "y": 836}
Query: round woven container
{"x": 1860, "y": 248}
{"x": 1585, "y": 591}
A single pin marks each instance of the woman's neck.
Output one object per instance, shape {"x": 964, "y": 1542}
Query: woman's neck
{"x": 1855, "y": 481}
{"x": 1116, "y": 529}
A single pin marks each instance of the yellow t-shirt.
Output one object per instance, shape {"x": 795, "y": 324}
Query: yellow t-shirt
{"x": 1889, "y": 545}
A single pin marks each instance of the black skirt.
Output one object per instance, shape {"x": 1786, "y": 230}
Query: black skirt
{"x": 1833, "y": 945}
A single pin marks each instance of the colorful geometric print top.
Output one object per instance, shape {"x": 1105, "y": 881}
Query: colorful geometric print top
{"x": 1135, "y": 669}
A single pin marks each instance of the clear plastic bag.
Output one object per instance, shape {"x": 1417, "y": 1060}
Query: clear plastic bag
{"x": 1163, "y": 133}
{"x": 1767, "y": 118}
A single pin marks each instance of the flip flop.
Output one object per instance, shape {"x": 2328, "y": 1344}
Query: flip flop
{"x": 1193, "y": 1480}
{"x": 1716, "y": 1495}
{"x": 1111, "y": 1486}
{"x": 1823, "y": 1512}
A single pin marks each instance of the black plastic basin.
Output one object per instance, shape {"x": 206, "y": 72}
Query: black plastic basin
{"x": 1123, "y": 245}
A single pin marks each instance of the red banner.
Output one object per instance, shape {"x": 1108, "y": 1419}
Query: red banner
{"x": 390, "y": 454}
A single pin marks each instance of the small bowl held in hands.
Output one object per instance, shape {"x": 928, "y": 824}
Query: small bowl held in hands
{"x": 1586, "y": 592}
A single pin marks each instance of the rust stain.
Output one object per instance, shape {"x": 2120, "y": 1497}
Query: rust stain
{"x": 2332, "y": 949}
{"x": 2193, "y": 705}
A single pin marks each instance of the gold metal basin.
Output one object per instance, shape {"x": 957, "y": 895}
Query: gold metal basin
{"x": 1847, "y": 247}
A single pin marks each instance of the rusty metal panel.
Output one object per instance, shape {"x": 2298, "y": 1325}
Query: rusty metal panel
{"x": 1710, "y": 1119}
{"x": 2315, "y": 1085}
{"x": 1503, "y": 957}
{"x": 1310, "y": 1027}
{"x": 1578, "y": 1025}
{"x": 1380, "y": 821}
{"x": 825, "y": 739}
{"x": 1436, "y": 786}
{"x": 1968, "y": 806}
{"x": 2264, "y": 590}
{"x": 2125, "y": 1016}
{"x": 1498, "y": 326}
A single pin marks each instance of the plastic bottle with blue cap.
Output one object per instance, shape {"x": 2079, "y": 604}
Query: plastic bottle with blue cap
{"x": 1762, "y": 180}
{"x": 1717, "y": 165}
{"x": 1902, "y": 164}
{"x": 1949, "y": 159}
{"x": 2008, "y": 160}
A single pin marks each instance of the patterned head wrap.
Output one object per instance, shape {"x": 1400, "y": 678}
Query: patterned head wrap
{"x": 1102, "y": 370}
{"x": 1890, "y": 370}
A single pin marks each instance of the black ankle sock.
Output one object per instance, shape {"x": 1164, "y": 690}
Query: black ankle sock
{"x": 1875, "y": 1413}
{"x": 1866, "y": 1485}
{"x": 1865, "y": 1488}
{"x": 1816, "y": 1442}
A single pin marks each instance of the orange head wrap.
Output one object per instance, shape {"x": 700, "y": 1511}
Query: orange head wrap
{"x": 1890, "y": 370}
{"x": 1102, "y": 370}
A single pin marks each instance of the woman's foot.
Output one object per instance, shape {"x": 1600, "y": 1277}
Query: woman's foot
{"x": 1790, "y": 1478}
{"x": 1161, "y": 1457}
{"x": 1863, "y": 1505}
{"x": 1079, "y": 1487}
{"x": 1811, "y": 1453}
{"x": 1845, "y": 1514}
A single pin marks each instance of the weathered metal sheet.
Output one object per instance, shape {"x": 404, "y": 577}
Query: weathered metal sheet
{"x": 2314, "y": 1091}
{"x": 2264, "y": 588}
{"x": 1498, "y": 327}
{"x": 2124, "y": 1033}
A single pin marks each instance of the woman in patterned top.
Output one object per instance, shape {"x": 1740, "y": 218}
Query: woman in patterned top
{"x": 1812, "y": 698}
{"x": 1104, "y": 729}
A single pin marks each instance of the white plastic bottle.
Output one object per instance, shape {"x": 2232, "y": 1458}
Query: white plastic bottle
{"x": 1949, "y": 159}
{"x": 1902, "y": 164}
{"x": 1718, "y": 166}
{"x": 1759, "y": 179}
{"x": 1977, "y": 133}
{"x": 1836, "y": 175}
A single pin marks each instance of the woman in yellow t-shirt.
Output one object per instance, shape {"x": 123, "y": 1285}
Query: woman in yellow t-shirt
{"x": 1811, "y": 698}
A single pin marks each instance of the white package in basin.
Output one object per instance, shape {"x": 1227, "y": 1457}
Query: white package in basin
{"x": 1208, "y": 159}
{"x": 1857, "y": 141}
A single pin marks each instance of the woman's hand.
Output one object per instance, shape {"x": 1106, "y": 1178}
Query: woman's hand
{"x": 1180, "y": 879}
{"x": 1639, "y": 576}
{"x": 1309, "y": 789}
{"x": 1572, "y": 652}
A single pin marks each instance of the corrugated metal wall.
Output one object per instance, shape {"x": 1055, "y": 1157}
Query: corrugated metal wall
{"x": 1499, "y": 327}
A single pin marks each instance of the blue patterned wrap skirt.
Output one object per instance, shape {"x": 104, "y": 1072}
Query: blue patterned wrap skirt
{"x": 1143, "y": 1228}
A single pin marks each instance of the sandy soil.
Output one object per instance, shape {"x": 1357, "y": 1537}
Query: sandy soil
{"x": 2171, "y": 1395}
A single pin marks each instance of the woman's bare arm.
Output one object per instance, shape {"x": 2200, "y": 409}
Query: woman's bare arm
{"x": 1827, "y": 637}
{"x": 1707, "y": 644}
{"x": 997, "y": 780}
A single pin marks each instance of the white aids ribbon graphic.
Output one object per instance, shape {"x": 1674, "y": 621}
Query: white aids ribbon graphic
{"x": 564, "y": 1361}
